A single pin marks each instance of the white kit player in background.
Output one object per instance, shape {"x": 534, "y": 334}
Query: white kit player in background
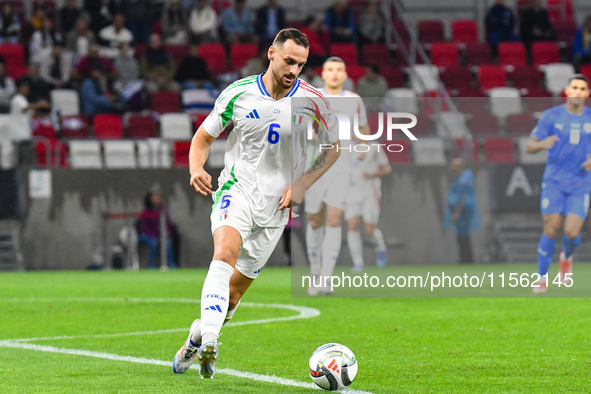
{"x": 255, "y": 189}
{"x": 324, "y": 238}
{"x": 364, "y": 200}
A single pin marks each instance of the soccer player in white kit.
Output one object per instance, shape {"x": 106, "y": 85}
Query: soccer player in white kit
{"x": 323, "y": 239}
{"x": 364, "y": 200}
{"x": 256, "y": 188}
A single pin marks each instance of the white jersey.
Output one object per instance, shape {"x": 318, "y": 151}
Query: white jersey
{"x": 349, "y": 103}
{"x": 265, "y": 151}
{"x": 370, "y": 164}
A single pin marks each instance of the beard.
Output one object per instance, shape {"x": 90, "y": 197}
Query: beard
{"x": 279, "y": 79}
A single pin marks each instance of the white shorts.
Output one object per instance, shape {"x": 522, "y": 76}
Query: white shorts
{"x": 364, "y": 203}
{"x": 331, "y": 190}
{"x": 258, "y": 243}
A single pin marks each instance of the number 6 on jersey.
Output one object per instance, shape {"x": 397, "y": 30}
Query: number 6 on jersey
{"x": 273, "y": 135}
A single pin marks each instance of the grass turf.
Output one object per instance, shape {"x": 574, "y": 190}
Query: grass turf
{"x": 451, "y": 345}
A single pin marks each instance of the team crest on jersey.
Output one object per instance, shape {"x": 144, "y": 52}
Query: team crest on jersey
{"x": 223, "y": 214}
{"x": 297, "y": 119}
{"x": 587, "y": 128}
{"x": 276, "y": 111}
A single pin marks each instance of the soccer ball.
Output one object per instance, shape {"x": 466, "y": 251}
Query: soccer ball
{"x": 333, "y": 366}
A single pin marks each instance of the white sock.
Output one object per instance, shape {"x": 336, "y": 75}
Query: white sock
{"x": 314, "y": 245}
{"x": 377, "y": 240}
{"x": 214, "y": 299}
{"x": 355, "y": 247}
{"x": 331, "y": 247}
{"x": 231, "y": 312}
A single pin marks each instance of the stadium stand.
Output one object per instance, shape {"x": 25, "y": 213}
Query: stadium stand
{"x": 430, "y": 31}
{"x": 512, "y": 54}
{"x": 464, "y": 31}
{"x": 429, "y": 151}
{"x": 424, "y": 77}
{"x": 557, "y": 75}
{"x": 347, "y": 52}
{"x": 545, "y": 52}
{"x": 402, "y": 99}
{"x": 539, "y": 157}
{"x": 504, "y": 101}
{"x": 215, "y": 56}
{"x": 527, "y": 77}
{"x": 402, "y": 157}
{"x": 177, "y": 126}
{"x": 499, "y": 150}
{"x": 108, "y": 126}
{"x": 445, "y": 55}
{"x": 376, "y": 53}
{"x": 119, "y": 154}
{"x": 520, "y": 124}
{"x": 85, "y": 154}
{"x": 240, "y": 53}
{"x": 491, "y": 76}
{"x": 75, "y": 126}
{"x": 478, "y": 53}
{"x": 141, "y": 126}
{"x": 475, "y": 149}
{"x": 66, "y": 102}
{"x": 165, "y": 102}
{"x": 181, "y": 153}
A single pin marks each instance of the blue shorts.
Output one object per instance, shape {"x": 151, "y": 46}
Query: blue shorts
{"x": 554, "y": 200}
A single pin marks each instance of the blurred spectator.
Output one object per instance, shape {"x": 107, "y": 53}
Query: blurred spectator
{"x": 372, "y": 87}
{"x": 92, "y": 62}
{"x": 126, "y": 66}
{"x": 237, "y": 23}
{"x": 535, "y": 24}
{"x": 188, "y": 5}
{"x": 7, "y": 89}
{"x": 43, "y": 40}
{"x": 150, "y": 227}
{"x": 157, "y": 67}
{"x": 37, "y": 19}
{"x": 56, "y": 69}
{"x": 101, "y": 13}
{"x": 113, "y": 36}
{"x": 582, "y": 44}
{"x": 93, "y": 97}
{"x": 21, "y": 111}
{"x": 270, "y": 20}
{"x": 309, "y": 75}
{"x": 318, "y": 38}
{"x": 193, "y": 73}
{"x": 139, "y": 18}
{"x": 38, "y": 88}
{"x": 203, "y": 23}
{"x": 256, "y": 65}
{"x": 10, "y": 24}
{"x": 369, "y": 24}
{"x": 79, "y": 40}
{"x": 174, "y": 24}
{"x": 500, "y": 25}
{"x": 68, "y": 16}
{"x": 461, "y": 214}
{"x": 339, "y": 19}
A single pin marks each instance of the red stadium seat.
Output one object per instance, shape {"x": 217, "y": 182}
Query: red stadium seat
{"x": 430, "y": 31}
{"x": 74, "y": 126}
{"x": 355, "y": 72}
{"x": 457, "y": 78}
{"x": 586, "y": 70}
{"x": 464, "y": 31}
{"x": 165, "y": 102}
{"x": 54, "y": 145}
{"x": 108, "y": 126}
{"x": 198, "y": 119}
{"x": 478, "y": 53}
{"x": 556, "y": 12}
{"x": 545, "y": 52}
{"x": 215, "y": 57}
{"x": 499, "y": 150}
{"x": 565, "y": 31}
{"x": 142, "y": 126}
{"x": 181, "y": 153}
{"x": 14, "y": 55}
{"x": 375, "y": 53}
{"x": 520, "y": 124}
{"x": 393, "y": 75}
{"x": 527, "y": 77}
{"x": 484, "y": 123}
{"x": 43, "y": 129}
{"x": 471, "y": 101}
{"x": 512, "y": 54}
{"x": 240, "y": 54}
{"x": 475, "y": 148}
{"x": 539, "y": 101}
{"x": 347, "y": 52}
{"x": 445, "y": 54}
{"x": 177, "y": 52}
{"x": 402, "y": 157}
{"x": 433, "y": 102}
{"x": 491, "y": 76}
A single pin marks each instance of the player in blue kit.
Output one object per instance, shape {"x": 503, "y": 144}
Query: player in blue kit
{"x": 565, "y": 131}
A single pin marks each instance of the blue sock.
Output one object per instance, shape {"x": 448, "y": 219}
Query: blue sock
{"x": 546, "y": 248}
{"x": 570, "y": 245}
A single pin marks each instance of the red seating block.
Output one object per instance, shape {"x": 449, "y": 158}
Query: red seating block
{"x": 464, "y": 31}
{"x": 499, "y": 150}
{"x": 165, "y": 102}
{"x": 142, "y": 126}
{"x": 108, "y": 126}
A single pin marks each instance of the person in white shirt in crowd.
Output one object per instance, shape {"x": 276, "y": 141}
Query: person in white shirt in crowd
{"x": 174, "y": 24}
{"x": 56, "y": 69}
{"x": 79, "y": 40}
{"x": 203, "y": 23}
{"x": 43, "y": 40}
{"x": 7, "y": 89}
{"x": 113, "y": 36}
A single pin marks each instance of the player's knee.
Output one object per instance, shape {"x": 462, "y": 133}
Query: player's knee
{"x": 550, "y": 230}
{"x": 334, "y": 221}
{"x": 353, "y": 225}
{"x": 226, "y": 255}
{"x": 571, "y": 233}
{"x": 369, "y": 231}
{"x": 315, "y": 221}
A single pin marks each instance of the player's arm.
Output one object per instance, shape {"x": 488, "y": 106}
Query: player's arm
{"x": 534, "y": 144}
{"x": 294, "y": 194}
{"x": 198, "y": 153}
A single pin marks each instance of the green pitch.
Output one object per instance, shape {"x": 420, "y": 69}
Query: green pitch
{"x": 402, "y": 345}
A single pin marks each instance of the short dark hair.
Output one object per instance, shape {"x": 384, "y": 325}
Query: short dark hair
{"x": 375, "y": 68}
{"x": 578, "y": 77}
{"x": 333, "y": 59}
{"x": 291, "y": 34}
{"x": 22, "y": 81}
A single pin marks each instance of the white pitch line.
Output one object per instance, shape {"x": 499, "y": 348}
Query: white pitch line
{"x": 142, "y": 360}
{"x": 303, "y": 313}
